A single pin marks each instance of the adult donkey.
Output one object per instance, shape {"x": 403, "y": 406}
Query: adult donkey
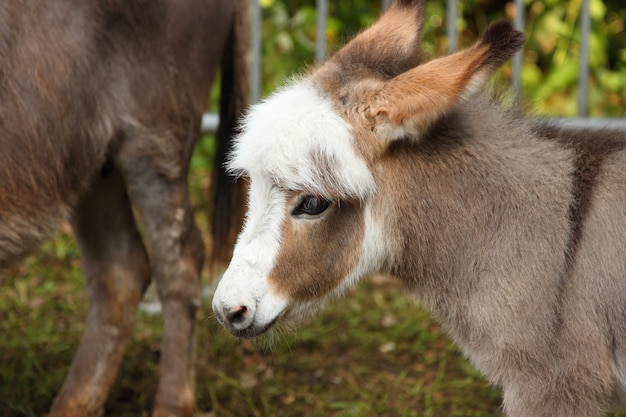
{"x": 100, "y": 106}
{"x": 513, "y": 231}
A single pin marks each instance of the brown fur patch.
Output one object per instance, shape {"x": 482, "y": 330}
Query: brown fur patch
{"x": 423, "y": 94}
{"x": 418, "y": 97}
{"x": 301, "y": 272}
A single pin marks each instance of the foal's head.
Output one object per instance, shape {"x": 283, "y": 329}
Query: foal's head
{"x": 313, "y": 151}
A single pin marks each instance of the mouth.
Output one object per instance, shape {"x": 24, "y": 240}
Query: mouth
{"x": 252, "y": 331}
{"x": 249, "y": 332}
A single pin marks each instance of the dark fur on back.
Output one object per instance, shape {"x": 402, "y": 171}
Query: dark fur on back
{"x": 591, "y": 148}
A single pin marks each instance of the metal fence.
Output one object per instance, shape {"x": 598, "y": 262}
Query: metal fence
{"x": 210, "y": 121}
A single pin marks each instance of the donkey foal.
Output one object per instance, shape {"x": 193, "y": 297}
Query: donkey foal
{"x": 513, "y": 231}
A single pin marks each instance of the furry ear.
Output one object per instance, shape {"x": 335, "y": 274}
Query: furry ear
{"x": 409, "y": 103}
{"x": 389, "y": 47}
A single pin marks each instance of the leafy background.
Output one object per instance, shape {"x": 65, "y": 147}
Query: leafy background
{"x": 374, "y": 353}
{"x": 550, "y": 72}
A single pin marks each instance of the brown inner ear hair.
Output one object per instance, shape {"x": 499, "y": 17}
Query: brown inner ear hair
{"x": 412, "y": 101}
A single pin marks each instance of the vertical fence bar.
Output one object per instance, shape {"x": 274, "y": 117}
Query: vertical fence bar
{"x": 518, "y": 59}
{"x": 255, "y": 66}
{"x": 451, "y": 27}
{"x": 583, "y": 63}
{"x": 320, "y": 42}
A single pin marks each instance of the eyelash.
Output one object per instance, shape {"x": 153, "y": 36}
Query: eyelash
{"x": 311, "y": 206}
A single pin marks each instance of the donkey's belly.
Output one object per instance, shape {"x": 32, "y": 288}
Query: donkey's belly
{"x": 20, "y": 234}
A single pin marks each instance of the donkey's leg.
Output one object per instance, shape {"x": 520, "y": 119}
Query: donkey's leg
{"x": 117, "y": 271}
{"x": 157, "y": 184}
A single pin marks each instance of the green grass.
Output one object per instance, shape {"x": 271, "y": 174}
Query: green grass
{"x": 371, "y": 354}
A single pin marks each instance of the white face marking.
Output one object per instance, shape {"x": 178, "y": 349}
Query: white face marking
{"x": 283, "y": 141}
{"x": 375, "y": 251}
{"x": 245, "y": 281}
{"x": 286, "y": 138}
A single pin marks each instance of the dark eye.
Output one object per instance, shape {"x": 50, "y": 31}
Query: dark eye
{"x": 311, "y": 206}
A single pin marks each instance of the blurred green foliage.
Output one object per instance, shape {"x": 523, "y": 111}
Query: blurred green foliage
{"x": 551, "y": 53}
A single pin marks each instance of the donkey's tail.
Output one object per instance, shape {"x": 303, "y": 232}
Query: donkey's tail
{"x": 228, "y": 198}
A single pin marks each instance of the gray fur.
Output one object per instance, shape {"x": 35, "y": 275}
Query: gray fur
{"x": 530, "y": 286}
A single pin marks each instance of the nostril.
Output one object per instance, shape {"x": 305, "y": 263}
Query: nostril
{"x": 237, "y": 314}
